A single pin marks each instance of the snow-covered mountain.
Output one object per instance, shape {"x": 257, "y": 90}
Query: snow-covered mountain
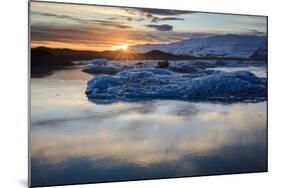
{"x": 229, "y": 45}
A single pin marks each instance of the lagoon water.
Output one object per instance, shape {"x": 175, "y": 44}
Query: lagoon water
{"x": 74, "y": 140}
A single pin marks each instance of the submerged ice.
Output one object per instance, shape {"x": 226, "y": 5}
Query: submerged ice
{"x": 155, "y": 83}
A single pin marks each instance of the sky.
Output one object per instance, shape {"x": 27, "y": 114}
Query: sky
{"x": 99, "y": 28}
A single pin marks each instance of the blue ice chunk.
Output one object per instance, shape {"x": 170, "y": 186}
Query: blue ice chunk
{"x": 154, "y": 83}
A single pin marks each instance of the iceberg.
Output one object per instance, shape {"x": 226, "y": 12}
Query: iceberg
{"x": 111, "y": 67}
{"x": 190, "y": 66}
{"x": 101, "y": 66}
{"x": 156, "y": 83}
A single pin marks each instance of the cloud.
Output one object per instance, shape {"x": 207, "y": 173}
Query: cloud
{"x": 157, "y": 19}
{"x": 163, "y": 12}
{"x": 126, "y": 18}
{"x": 256, "y": 32}
{"x": 164, "y": 27}
{"x": 111, "y": 24}
{"x": 101, "y": 38}
{"x": 153, "y": 14}
{"x": 107, "y": 23}
{"x": 76, "y": 38}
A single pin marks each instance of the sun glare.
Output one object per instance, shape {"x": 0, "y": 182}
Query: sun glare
{"x": 122, "y": 47}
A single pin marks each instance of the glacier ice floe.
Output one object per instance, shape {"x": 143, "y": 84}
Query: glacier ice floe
{"x": 103, "y": 66}
{"x": 155, "y": 83}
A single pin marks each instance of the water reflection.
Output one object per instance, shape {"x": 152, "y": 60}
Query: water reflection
{"x": 70, "y": 73}
{"x": 75, "y": 141}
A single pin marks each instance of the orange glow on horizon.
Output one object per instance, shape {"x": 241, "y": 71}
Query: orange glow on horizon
{"x": 73, "y": 46}
{"x": 122, "y": 47}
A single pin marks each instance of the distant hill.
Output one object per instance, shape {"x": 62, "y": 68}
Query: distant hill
{"x": 230, "y": 45}
{"x": 43, "y": 55}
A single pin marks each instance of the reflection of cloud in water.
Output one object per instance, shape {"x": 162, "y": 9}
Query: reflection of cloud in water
{"x": 87, "y": 114}
{"x": 152, "y": 133}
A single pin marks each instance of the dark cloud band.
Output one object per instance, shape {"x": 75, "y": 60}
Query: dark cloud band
{"x": 164, "y": 27}
{"x": 157, "y": 19}
{"x": 163, "y": 12}
{"x": 107, "y": 23}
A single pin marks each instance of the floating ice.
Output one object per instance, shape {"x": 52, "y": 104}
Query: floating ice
{"x": 102, "y": 66}
{"x": 155, "y": 83}
{"x": 190, "y": 67}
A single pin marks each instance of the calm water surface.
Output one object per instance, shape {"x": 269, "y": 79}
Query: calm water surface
{"x": 77, "y": 141}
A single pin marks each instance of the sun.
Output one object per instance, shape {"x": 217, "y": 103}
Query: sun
{"x": 121, "y": 47}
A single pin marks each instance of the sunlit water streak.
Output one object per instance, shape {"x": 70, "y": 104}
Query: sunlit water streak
{"x": 77, "y": 141}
